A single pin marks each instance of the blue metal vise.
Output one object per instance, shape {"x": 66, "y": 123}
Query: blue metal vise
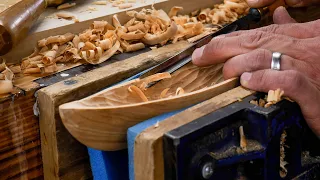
{"x": 209, "y": 147}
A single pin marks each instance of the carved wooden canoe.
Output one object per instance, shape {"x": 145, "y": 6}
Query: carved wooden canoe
{"x": 101, "y": 120}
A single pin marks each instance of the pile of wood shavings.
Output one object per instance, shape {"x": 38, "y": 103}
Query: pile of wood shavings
{"x": 273, "y": 97}
{"x": 148, "y": 27}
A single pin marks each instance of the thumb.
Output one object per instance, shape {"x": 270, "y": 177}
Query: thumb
{"x": 295, "y": 86}
{"x": 281, "y": 16}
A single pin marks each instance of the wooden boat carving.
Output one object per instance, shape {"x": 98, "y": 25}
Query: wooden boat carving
{"x": 101, "y": 120}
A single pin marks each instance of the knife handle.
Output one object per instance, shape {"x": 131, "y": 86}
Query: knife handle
{"x": 16, "y": 21}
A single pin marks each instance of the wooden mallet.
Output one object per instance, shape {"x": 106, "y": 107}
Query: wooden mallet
{"x": 16, "y": 21}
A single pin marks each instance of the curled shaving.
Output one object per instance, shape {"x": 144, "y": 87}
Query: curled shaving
{"x": 164, "y": 93}
{"x": 49, "y": 69}
{"x": 130, "y": 23}
{"x": 9, "y": 75}
{"x": 76, "y": 40}
{"x": 204, "y": 14}
{"x": 138, "y": 91}
{"x": 156, "y": 77}
{"x": 179, "y": 91}
{"x": 140, "y": 26}
{"x": 15, "y": 69}
{"x": 174, "y": 11}
{"x": 152, "y": 39}
{"x": 33, "y": 70}
{"x": 137, "y": 35}
{"x": 60, "y": 39}
{"x": 6, "y": 78}
{"x": 106, "y": 55}
{"x": 105, "y": 44}
{"x": 115, "y": 21}
{"x": 71, "y": 54}
{"x": 88, "y": 46}
{"x": 6, "y": 87}
{"x": 50, "y": 55}
{"x": 132, "y": 47}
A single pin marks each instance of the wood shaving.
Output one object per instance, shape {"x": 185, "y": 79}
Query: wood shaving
{"x": 152, "y": 27}
{"x": 283, "y": 170}
{"x": 90, "y": 8}
{"x": 6, "y": 78}
{"x": 15, "y": 69}
{"x": 174, "y": 10}
{"x": 164, "y": 93}
{"x": 179, "y": 91}
{"x": 138, "y": 91}
{"x": 6, "y": 87}
{"x": 2, "y": 67}
{"x": 67, "y": 16}
{"x": 66, "y": 5}
{"x": 243, "y": 140}
{"x": 100, "y": 2}
{"x": 157, "y": 77}
{"x": 156, "y": 125}
{"x": 273, "y": 97}
{"x": 125, "y": 6}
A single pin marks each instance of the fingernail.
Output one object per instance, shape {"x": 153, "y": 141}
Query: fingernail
{"x": 245, "y": 78}
{"x": 197, "y": 53}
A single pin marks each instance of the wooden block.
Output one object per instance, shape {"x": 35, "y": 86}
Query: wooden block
{"x": 20, "y": 152}
{"x": 62, "y": 154}
{"x": 148, "y": 147}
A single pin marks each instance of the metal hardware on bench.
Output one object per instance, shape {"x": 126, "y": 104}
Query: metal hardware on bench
{"x": 207, "y": 170}
{"x": 209, "y": 147}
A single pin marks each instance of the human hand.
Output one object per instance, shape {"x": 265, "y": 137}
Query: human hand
{"x": 291, "y": 3}
{"x": 248, "y": 54}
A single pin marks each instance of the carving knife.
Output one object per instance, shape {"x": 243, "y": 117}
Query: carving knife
{"x": 184, "y": 57}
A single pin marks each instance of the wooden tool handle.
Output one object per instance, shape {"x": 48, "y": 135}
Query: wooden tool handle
{"x": 16, "y": 21}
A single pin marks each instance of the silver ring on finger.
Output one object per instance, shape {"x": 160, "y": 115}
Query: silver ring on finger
{"x": 275, "y": 62}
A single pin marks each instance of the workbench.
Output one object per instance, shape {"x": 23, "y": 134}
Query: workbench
{"x": 36, "y": 144}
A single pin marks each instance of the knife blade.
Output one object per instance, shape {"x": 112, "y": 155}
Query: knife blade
{"x": 184, "y": 57}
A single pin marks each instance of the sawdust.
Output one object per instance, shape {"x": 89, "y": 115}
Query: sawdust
{"x": 307, "y": 159}
{"x": 252, "y": 146}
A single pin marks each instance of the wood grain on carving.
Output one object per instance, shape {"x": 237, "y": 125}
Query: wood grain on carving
{"x": 20, "y": 153}
{"x": 100, "y": 121}
{"x": 148, "y": 150}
